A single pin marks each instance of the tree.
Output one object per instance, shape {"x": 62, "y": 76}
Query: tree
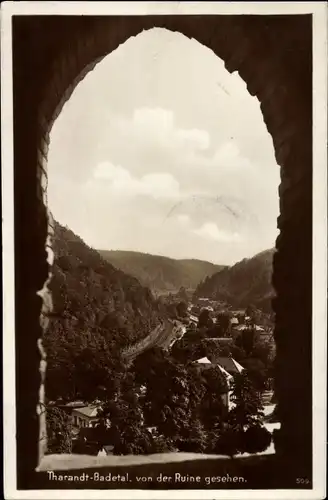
{"x": 59, "y": 431}
{"x": 247, "y": 340}
{"x": 223, "y": 323}
{"x": 211, "y": 349}
{"x": 205, "y": 320}
{"x": 262, "y": 351}
{"x": 257, "y": 373}
{"x": 244, "y": 421}
{"x": 251, "y": 312}
{"x": 248, "y": 409}
{"x": 167, "y": 408}
{"x": 182, "y": 309}
{"x": 97, "y": 372}
{"x": 213, "y": 411}
{"x": 189, "y": 348}
{"x": 241, "y": 318}
{"x": 182, "y": 295}
{"x": 173, "y": 410}
{"x": 171, "y": 310}
{"x": 127, "y": 432}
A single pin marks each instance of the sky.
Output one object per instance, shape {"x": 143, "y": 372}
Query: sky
{"x": 161, "y": 150}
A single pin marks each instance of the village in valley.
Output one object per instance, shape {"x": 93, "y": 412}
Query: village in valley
{"x": 207, "y": 333}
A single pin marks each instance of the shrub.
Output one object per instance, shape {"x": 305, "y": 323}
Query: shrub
{"x": 125, "y": 446}
{"x": 211, "y": 442}
{"x": 230, "y": 442}
{"x": 191, "y": 445}
{"x": 193, "y": 440}
{"x": 256, "y": 439}
{"x": 160, "y": 445}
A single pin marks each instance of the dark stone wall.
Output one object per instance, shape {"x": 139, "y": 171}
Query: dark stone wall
{"x": 273, "y": 54}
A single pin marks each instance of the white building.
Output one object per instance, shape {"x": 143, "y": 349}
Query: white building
{"x": 86, "y": 416}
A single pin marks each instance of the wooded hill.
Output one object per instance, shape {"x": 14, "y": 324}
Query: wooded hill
{"x": 247, "y": 282}
{"x": 96, "y": 309}
{"x": 161, "y": 274}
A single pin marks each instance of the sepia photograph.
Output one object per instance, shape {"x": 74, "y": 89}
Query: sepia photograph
{"x": 165, "y": 262}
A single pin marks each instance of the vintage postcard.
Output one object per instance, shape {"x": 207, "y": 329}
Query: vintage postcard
{"x": 164, "y": 249}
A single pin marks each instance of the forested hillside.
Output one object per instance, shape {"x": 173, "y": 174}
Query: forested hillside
{"x": 161, "y": 274}
{"x": 98, "y": 310}
{"x": 247, "y": 282}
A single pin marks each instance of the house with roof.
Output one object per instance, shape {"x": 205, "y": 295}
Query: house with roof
{"x": 85, "y": 416}
{"x": 205, "y": 361}
{"x": 67, "y": 407}
{"x": 193, "y": 319}
{"x": 241, "y": 328}
{"x": 229, "y": 370}
{"x": 230, "y": 365}
{"x": 227, "y": 365}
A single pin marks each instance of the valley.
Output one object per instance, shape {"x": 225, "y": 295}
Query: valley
{"x": 161, "y": 274}
{"x": 112, "y": 342}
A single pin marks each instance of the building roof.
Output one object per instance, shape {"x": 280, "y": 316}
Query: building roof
{"x": 88, "y": 411}
{"x": 203, "y": 361}
{"x": 193, "y": 318}
{"x": 227, "y": 375}
{"x": 240, "y": 328}
{"x": 234, "y": 321}
{"x": 246, "y": 327}
{"x": 206, "y": 361}
{"x": 238, "y": 366}
{"x": 230, "y": 365}
{"x": 219, "y": 340}
{"x": 75, "y": 404}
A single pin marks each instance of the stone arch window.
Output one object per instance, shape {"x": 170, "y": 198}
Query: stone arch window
{"x": 273, "y": 54}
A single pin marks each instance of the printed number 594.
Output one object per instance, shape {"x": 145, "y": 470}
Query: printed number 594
{"x": 302, "y": 480}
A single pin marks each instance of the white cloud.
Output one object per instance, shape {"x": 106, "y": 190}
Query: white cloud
{"x": 196, "y": 138}
{"x": 110, "y": 172}
{"x": 157, "y": 127}
{"x": 151, "y": 141}
{"x": 160, "y": 185}
{"x": 210, "y": 231}
{"x": 183, "y": 219}
{"x": 228, "y": 155}
{"x": 120, "y": 181}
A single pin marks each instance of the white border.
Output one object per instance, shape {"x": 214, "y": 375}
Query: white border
{"x": 319, "y": 11}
